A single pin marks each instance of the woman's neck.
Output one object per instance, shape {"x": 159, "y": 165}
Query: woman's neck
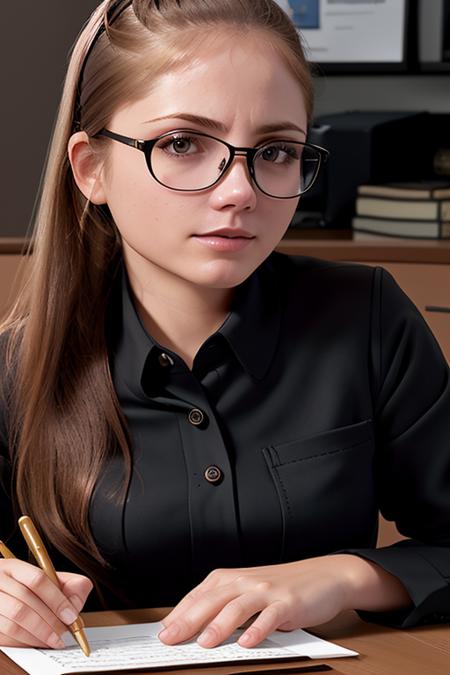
{"x": 177, "y": 314}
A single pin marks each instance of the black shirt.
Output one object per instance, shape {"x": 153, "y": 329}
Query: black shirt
{"x": 322, "y": 399}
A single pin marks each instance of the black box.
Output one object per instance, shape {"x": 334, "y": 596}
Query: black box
{"x": 369, "y": 147}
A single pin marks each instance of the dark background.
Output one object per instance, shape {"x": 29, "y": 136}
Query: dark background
{"x": 36, "y": 38}
{"x": 34, "y": 45}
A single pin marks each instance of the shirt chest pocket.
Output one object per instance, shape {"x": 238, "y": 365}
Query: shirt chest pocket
{"x": 326, "y": 490}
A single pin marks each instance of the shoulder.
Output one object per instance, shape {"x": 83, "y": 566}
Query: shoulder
{"x": 300, "y": 267}
{"x": 322, "y": 281}
{"x": 332, "y": 279}
{"x": 350, "y": 295}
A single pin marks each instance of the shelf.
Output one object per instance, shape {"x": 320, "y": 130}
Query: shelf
{"x": 13, "y": 245}
{"x": 435, "y": 68}
{"x": 341, "y": 246}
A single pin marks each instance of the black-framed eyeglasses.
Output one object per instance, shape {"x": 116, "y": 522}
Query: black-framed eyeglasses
{"x": 190, "y": 161}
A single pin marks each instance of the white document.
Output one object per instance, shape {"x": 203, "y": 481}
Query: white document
{"x": 137, "y": 646}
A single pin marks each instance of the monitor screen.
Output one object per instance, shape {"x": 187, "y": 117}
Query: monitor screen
{"x": 352, "y": 34}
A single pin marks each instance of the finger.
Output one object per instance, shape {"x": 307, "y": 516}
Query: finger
{"x": 215, "y": 579}
{"x": 267, "y": 622}
{"x": 20, "y": 622}
{"x": 187, "y": 601}
{"x": 233, "y": 615}
{"x": 195, "y": 617}
{"x": 22, "y": 595}
{"x": 76, "y": 587}
{"x": 38, "y": 583}
{"x": 6, "y": 641}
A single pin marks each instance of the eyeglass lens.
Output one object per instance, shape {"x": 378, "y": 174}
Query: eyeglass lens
{"x": 187, "y": 161}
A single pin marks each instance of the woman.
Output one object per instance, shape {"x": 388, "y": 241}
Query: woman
{"x": 190, "y": 418}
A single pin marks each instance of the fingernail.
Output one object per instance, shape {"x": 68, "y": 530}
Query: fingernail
{"x": 55, "y": 641}
{"x": 68, "y": 615}
{"x": 169, "y": 633}
{"x": 244, "y": 639}
{"x": 206, "y": 638}
{"x": 76, "y": 602}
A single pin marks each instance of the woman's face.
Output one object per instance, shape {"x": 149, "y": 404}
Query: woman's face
{"x": 240, "y": 85}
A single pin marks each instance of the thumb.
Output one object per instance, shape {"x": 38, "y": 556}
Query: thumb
{"x": 75, "y": 587}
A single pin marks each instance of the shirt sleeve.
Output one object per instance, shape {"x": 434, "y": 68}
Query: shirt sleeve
{"x": 411, "y": 402}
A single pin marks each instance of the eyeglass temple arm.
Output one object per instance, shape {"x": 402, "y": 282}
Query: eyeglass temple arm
{"x": 324, "y": 153}
{"x": 132, "y": 142}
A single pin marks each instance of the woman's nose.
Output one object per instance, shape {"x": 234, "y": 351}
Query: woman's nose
{"x": 236, "y": 188}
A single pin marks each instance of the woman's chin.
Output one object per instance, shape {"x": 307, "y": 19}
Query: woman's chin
{"x": 224, "y": 274}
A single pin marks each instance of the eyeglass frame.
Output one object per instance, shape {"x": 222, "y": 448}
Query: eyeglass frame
{"x": 116, "y": 8}
{"x": 249, "y": 153}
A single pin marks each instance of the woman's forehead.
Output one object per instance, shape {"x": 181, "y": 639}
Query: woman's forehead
{"x": 222, "y": 83}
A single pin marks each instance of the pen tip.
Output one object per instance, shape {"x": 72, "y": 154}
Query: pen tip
{"x": 82, "y": 641}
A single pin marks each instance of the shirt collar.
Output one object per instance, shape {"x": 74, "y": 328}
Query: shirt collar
{"x": 253, "y": 325}
{"x": 251, "y": 329}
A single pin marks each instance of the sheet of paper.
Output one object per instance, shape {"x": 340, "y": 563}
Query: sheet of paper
{"x": 137, "y": 646}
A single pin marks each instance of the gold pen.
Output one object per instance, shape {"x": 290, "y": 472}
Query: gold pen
{"x": 4, "y": 550}
{"x": 36, "y": 546}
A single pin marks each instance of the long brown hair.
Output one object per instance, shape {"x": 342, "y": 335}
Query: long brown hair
{"x": 64, "y": 418}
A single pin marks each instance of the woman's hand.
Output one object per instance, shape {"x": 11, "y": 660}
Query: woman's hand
{"x": 33, "y": 611}
{"x": 287, "y": 596}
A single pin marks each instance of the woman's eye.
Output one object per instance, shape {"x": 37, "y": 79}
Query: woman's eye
{"x": 279, "y": 154}
{"x": 178, "y": 146}
{"x": 181, "y": 145}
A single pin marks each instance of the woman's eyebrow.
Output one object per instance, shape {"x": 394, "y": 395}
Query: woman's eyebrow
{"x": 219, "y": 126}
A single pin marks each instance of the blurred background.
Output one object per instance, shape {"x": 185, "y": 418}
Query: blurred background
{"x": 36, "y": 39}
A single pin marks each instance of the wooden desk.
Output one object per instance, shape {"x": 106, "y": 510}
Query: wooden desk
{"x": 383, "y": 651}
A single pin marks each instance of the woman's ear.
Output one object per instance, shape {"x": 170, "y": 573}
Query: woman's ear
{"x": 86, "y": 168}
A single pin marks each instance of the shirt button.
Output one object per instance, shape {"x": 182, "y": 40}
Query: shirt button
{"x": 196, "y": 417}
{"x": 165, "y": 360}
{"x": 213, "y": 474}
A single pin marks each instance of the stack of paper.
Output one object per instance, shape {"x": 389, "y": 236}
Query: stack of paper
{"x": 137, "y": 646}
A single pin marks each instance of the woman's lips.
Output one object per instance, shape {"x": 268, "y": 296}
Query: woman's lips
{"x": 223, "y": 243}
